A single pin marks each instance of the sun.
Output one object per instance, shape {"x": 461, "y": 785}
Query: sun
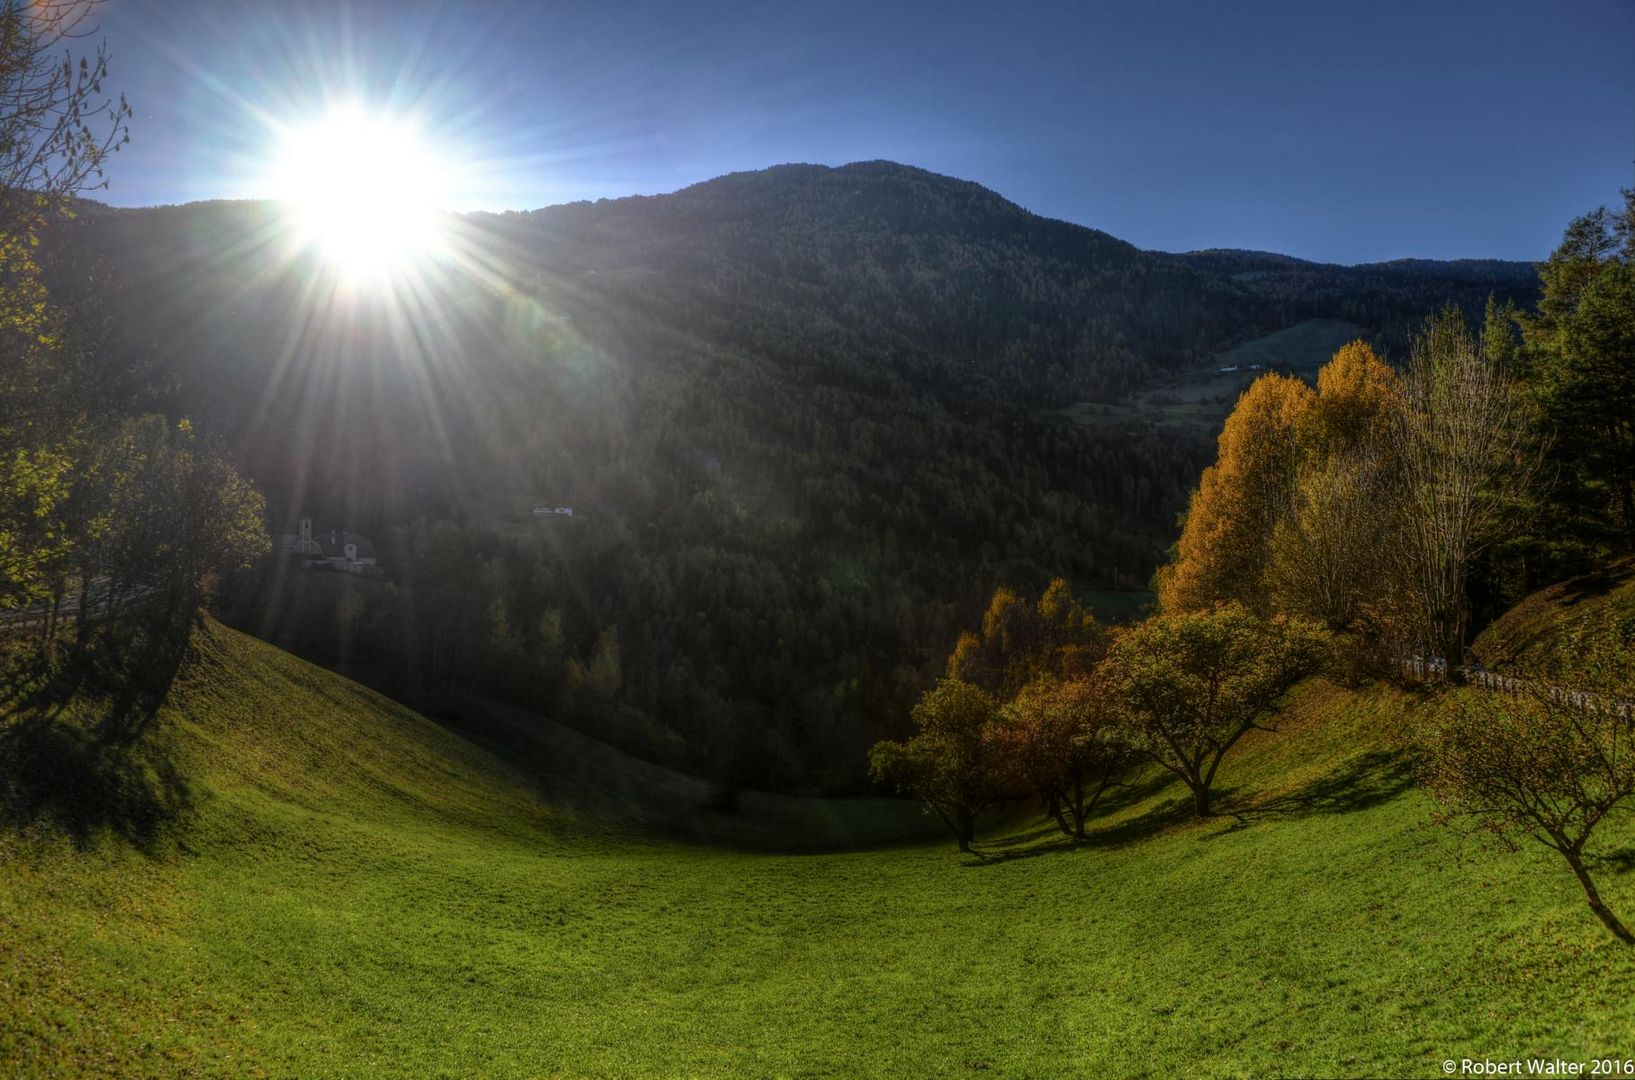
{"x": 363, "y": 188}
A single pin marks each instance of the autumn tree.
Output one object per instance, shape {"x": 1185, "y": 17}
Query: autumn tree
{"x": 57, "y": 130}
{"x": 1358, "y": 394}
{"x": 1189, "y": 685}
{"x": 211, "y": 521}
{"x": 1543, "y": 763}
{"x": 1465, "y": 461}
{"x": 35, "y": 536}
{"x": 1061, "y": 739}
{"x": 1225, "y": 541}
{"x": 1019, "y": 641}
{"x": 1331, "y": 552}
{"x": 158, "y": 515}
{"x": 950, "y": 761}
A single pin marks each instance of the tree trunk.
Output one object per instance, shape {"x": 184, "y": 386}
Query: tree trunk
{"x": 1087, "y": 803}
{"x": 51, "y": 619}
{"x": 1053, "y": 803}
{"x": 1200, "y": 800}
{"x": 1602, "y": 912}
{"x": 82, "y": 617}
{"x": 1626, "y": 502}
{"x": 945, "y": 818}
{"x": 967, "y": 827}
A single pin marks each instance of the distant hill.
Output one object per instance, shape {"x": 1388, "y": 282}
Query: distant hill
{"x": 808, "y": 417}
{"x": 1390, "y": 298}
{"x": 1267, "y": 266}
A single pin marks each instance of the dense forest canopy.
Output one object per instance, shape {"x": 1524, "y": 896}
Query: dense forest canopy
{"x": 1390, "y": 298}
{"x": 807, "y": 418}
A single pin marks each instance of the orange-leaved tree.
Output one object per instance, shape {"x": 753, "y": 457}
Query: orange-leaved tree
{"x": 1019, "y": 641}
{"x": 1332, "y": 552}
{"x": 1225, "y": 542}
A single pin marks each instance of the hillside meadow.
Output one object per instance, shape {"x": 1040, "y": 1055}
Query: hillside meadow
{"x": 352, "y": 890}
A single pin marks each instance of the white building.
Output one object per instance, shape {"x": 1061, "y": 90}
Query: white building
{"x": 336, "y": 549}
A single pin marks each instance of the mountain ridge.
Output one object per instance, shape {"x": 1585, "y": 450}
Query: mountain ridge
{"x": 811, "y": 417}
{"x": 738, "y": 181}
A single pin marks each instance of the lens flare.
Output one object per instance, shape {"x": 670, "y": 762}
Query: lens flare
{"x": 364, "y": 189}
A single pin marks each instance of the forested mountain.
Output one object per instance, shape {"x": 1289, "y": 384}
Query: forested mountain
{"x": 807, "y": 418}
{"x": 1388, "y": 297}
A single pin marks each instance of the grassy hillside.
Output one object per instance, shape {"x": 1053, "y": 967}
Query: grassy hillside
{"x": 353, "y": 891}
{"x": 1529, "y": 636}
{"x": 1305, "y": 347}
{"x": 1197, "y": 401}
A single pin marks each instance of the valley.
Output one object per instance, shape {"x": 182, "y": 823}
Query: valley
{"x": 805, "y": 442}
{"x": 354, "y": 888}
{"x": 653, "y": 541}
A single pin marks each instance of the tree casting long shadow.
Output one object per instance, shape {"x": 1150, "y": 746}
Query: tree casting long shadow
{"x": 78, "y": 749}
{"x": 1362, "y": 782}
{"x": 1045, "y": 838}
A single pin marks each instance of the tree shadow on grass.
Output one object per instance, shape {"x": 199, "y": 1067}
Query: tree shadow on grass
{"x": 1040, "y": 838}
{"x": 1046, "y": 838}
{"x": 1365, "y": 781}
{"x": 1597, "y": 583}
{"x": 78, "y": 750}
{"x": 1619, "y": 860}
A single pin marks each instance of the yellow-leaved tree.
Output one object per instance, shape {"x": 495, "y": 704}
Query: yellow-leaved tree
{"x": 57, "y": 130}
{"x": 1020, "y": 641}
{"x": 1226, "y": 540}
{"x": 1295, "y": 514}
{"x": 1331, "y": 552}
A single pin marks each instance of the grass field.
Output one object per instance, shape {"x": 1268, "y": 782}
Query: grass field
{"x": 1120, "y": 605}
{"x": 352, "y": 891}
{"x": 1200, "y": 400}
{"x": 1303, "y": 347}
{"x": 1531, "y": 635}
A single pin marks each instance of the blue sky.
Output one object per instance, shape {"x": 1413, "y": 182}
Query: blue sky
{"x": 1346, "y": 133}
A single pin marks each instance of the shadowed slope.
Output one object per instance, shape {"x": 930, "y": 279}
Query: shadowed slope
{"x": 1531, "y": 635}
{"x": 359, "y": 892}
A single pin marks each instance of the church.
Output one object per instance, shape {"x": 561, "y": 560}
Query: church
{"x": 332, "y": 549}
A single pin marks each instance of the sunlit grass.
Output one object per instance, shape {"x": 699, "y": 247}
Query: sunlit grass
{"x": 362, "y": 893}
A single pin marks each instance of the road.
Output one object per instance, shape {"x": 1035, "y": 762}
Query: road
{"x": 34, "y": 616}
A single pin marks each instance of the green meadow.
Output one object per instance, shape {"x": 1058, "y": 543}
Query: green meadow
{"x": 348, "y": 889}
{"x": 1197, "y": 401}
{"x": 1303, "y": 347}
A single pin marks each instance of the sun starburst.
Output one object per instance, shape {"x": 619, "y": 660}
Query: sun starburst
{"x": 365, "y": 189}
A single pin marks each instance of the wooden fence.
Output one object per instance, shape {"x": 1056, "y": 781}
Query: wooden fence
{"x": 1433, "y": 669}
